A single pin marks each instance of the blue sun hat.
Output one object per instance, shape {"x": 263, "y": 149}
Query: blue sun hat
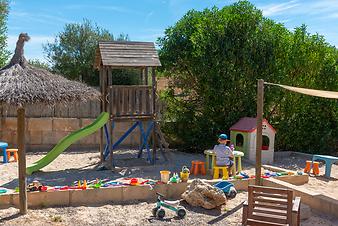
{"x": 223, "y": 136}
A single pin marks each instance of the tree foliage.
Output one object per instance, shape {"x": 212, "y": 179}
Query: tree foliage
{"x": 214, "y": 58}
{"x": 39, "y": 64}
{"x": 73, "y": 51}
{"x": 3, "y": 32}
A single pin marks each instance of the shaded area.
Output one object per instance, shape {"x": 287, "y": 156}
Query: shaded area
{"x": 226, "y": 214}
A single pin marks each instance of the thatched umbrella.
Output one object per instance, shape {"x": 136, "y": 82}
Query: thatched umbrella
{"x": 21, "y": 85}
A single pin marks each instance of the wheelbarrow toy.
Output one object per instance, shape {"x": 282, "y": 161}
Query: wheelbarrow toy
{"x": 228, "y": 189}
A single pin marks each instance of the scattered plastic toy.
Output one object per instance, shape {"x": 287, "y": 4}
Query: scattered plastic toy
{"x": 159, "y": 211}
{"x": 228, "y": 188}
{"x": 244, "y": 175}
{"x": 175, "y": 178}
{"x": 3, "y": 190}
{"x": 184, "y": 174}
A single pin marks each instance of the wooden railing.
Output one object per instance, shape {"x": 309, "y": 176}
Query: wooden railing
{"x": 131, "y": 101}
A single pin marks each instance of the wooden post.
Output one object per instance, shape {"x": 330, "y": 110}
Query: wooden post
{"x": 259, "y": 135}
{"x": 154, "y": 85}
{"x": 110, "y": 124}
{"x": 22, "y": 161}
{"x": 102, "y": 107}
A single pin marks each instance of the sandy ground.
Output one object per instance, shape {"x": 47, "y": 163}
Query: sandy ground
{"x": 140, "y": 214}
{"x": 72, "y": 166}
{"x": 320, "y": 184}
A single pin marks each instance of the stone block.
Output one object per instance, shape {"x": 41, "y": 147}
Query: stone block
{"x": 88, "y": 139}
{"x": 40, "y": 124}
{"x": 34, "y": 137}
{"x": 295, "y": 179}
{"x": 9, "y": 136}
{"x": 5, "y": 201}
{"x": 44, "y": 199}
{"x": 66, "y": 124}
{"x": 52, "y": 137}
{"x": 15, "y": 199}
{"x": 142, "y": 193}
{"x": 95, "y": 196}
{"x": 86, "y": 122}
{"x": 10, "y": 124}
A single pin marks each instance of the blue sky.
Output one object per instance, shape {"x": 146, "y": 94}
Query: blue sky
{"x": 145, "y": 20}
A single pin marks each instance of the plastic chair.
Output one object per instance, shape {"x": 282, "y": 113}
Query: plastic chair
{"x": 315, "y": 169}
{"x": 225, "y": 173}
{"x": 198, "y": 167}
{"x": 15, "y": 154}
{"x": 307, "y": 168}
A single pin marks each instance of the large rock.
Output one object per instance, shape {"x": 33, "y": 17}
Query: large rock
{"x": 202, "y": 194}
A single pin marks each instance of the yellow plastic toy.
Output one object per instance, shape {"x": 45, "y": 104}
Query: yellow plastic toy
{"x": 225, "y": 173}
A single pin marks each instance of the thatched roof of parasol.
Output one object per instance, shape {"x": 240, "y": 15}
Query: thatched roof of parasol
{"x": 22, "y": 84}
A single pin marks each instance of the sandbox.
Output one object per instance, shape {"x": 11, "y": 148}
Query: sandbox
{"x": 122, "y": 194}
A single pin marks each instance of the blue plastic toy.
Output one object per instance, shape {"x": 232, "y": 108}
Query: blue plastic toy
{"x": 228, "y": 188}
{"x": 244, "y": 175}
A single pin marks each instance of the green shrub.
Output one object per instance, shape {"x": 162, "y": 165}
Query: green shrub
{"x": 214, "y": 58}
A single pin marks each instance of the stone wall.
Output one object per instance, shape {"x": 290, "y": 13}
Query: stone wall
{"x": 44, "y": 133}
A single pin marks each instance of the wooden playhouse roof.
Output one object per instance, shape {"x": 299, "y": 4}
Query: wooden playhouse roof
{"x": 126, "y": 54}
{"x": 248, "y": 124}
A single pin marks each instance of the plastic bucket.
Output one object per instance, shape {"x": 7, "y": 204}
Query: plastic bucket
{"x": 165, "y": 174}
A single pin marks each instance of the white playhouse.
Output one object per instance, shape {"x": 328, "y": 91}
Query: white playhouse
{"x": 243, "y": 136}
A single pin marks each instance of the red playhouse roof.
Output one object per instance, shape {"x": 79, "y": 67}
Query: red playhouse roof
{"x": 248, "y": 124}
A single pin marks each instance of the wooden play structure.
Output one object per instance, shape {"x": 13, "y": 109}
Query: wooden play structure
{"x": 129, "y": 103}
{"x": 243, "y": 136}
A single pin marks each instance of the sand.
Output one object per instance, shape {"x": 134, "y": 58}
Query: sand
{"x": 72, "y": 166}
{"x": 319, "y": 184}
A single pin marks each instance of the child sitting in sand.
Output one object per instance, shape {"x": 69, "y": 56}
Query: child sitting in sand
{"x": 223, "y": 153}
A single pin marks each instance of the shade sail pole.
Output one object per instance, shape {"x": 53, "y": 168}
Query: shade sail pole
{"x": 22, "y": 160}
{"x": 259, "y": 136}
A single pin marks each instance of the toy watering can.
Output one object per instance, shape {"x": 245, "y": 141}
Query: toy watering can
{"x": 184, "y": 174}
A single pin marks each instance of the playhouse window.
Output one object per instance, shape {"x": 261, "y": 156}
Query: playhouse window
{"x": 239, "y": 140}
{"x": 265, "y": 143}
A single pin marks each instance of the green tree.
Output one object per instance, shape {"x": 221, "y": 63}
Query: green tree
{"x": 40, "y": 64}
{"x": 3, "y": 32}
{"x": 73, "y": 51}
{"x": 214, "y": 58}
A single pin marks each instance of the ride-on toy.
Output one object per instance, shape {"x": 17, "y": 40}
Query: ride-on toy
{"x": 159, "y": 211}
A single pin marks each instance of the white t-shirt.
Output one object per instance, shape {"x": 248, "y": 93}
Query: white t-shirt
{"x": 223, "y": 154}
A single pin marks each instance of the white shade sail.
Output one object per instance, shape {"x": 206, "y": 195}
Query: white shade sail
{"x": 311, "y": 92}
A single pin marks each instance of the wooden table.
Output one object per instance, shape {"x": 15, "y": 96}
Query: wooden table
{"x": 3, "y": 146}
{"x": 211, "y": 155}
{"x": 329, "y": 160}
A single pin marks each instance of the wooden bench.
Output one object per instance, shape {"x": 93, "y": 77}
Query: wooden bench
{"x": 271, "y": 206}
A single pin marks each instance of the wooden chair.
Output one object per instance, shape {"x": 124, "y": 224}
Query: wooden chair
{"x": 271, "y": 206}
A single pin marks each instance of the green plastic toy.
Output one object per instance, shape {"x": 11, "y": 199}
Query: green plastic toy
{"x": 159, "y": 210}
{"x": 175, "y": 178}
